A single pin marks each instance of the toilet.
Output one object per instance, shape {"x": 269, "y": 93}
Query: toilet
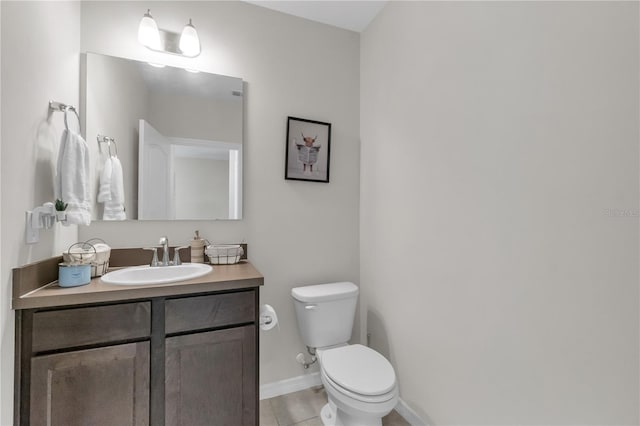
{"x": 360, "y": 383}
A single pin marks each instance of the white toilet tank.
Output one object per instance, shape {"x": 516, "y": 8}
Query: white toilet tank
{"x": 325, "y": 313}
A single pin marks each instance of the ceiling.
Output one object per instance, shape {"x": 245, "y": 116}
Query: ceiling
{"x": 352, "y": 15}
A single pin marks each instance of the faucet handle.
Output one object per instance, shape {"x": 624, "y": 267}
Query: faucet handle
{"x": 154, "y": 261}
{"x": 176, "y": 255}
{"x": 163, "y": 240}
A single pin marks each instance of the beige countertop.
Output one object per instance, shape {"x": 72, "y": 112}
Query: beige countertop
{"x": 222, "y": 278}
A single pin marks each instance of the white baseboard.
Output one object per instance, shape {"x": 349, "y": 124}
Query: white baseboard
{"x": 408, "y": 414}
{"x": 295, "y": 384}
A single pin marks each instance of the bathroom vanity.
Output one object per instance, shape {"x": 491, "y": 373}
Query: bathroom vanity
{"x": 183, "y": 353}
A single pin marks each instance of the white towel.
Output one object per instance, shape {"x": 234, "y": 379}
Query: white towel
{"x": 117, "y": 181}
{"x": 112, "y": 192}
{"x": 104, "y": 192}
{"x": 72, "y": 178}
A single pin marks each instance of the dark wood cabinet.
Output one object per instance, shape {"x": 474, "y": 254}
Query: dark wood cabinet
{"x": 91, "y": 387}
{"x": 174, "y": 360}
{"x": 210, "y": 378}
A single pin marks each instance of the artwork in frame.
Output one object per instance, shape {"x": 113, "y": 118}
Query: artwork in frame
{"x": 308, "y": 149}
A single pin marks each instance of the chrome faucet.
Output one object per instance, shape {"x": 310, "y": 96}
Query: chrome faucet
{"x": 164, "y": 242}
{"x": 165, "y": 251}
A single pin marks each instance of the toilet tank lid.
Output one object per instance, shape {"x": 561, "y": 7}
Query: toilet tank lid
{"x": 325, "y": 292}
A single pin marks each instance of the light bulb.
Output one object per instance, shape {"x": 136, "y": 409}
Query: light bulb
{"x": 189, "y": 41}
{"x": 148, "y": 33}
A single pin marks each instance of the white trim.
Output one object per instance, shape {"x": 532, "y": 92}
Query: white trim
{"x": 291, "y": 385}
{"x": 306, "y": 381}
{"x": 408, "y": 414}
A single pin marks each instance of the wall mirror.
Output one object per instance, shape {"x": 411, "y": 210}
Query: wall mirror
{"x": 177, "y": 135}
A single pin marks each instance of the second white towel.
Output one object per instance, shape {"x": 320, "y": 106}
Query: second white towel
{"x": 111, "y": 191}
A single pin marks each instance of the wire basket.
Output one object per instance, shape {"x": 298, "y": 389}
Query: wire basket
{"x": 224, "y": 254}
{"x": 94, "y": 251}
{"x": 79, "y": 254}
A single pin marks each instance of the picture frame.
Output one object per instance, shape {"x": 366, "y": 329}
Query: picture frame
{"x": 308, "y": 150}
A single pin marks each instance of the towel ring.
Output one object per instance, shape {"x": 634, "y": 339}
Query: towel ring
{"x": 66, "y": 110}
{"x": 59, "y": 106}
{"x": 109, "y": 140}
{"x": 115, "y": 147}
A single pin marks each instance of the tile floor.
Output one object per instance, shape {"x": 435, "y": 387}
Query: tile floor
{"x": 303, "y": 409}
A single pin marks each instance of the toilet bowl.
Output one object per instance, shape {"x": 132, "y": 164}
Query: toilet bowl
{"x": 360, "y": 383}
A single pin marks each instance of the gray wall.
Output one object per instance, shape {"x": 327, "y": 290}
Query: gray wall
{"x": 38, "y": 65}
{"x": 496, "y": 140}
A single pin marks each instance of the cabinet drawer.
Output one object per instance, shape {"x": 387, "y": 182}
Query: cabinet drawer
{"x": 91, "y": 325}
{"x": 216, "y": 310}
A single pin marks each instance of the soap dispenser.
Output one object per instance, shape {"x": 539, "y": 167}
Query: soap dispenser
{"x": 197, "y": 249}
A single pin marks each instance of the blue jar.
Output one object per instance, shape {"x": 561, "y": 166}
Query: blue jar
{"x": 73, "y": 275}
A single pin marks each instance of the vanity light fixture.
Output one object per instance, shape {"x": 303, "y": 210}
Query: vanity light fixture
{"x": 148, "y": 33}
{"x": 189, "y": 41}
{"x": 185, "y": 44}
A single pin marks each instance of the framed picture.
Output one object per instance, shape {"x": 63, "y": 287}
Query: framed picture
{"x": 308, "y": 149}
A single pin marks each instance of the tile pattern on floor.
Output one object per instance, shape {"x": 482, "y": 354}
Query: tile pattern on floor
{"x": 302, "y": 408}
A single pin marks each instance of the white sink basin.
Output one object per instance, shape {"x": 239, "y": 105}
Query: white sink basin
{"x": 140, "y": 275}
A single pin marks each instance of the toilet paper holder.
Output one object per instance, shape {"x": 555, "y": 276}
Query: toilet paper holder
{"x": 265, "y": 320}
{"x": 268, "y": 317}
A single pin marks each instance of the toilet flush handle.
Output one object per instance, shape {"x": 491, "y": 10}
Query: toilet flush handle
{"x": 310, "y": 307}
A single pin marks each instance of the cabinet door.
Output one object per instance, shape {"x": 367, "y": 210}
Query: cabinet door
{"x": 211, "y": 378}
{"x": 102, "y": 386}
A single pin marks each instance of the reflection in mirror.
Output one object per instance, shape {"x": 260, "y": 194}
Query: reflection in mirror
{"x": 175, "y": 172}
{"x": 178, "y": 135}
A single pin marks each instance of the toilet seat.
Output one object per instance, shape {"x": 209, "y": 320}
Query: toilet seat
{"x": 359, "y": 372}
{"x": 367, "y": 399}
